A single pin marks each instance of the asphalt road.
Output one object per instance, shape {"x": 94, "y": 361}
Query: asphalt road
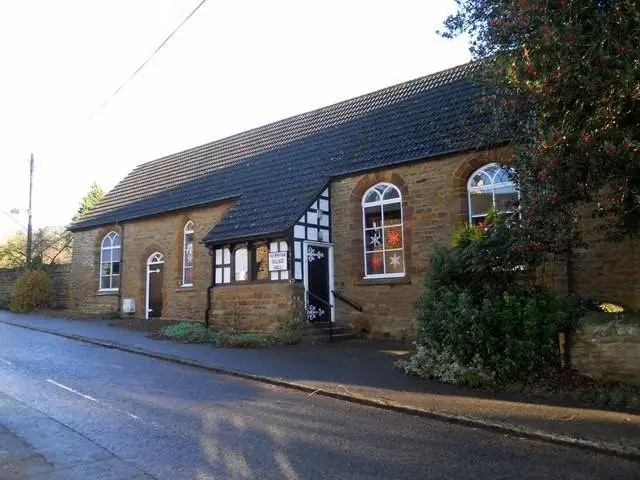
{"x": 178, "y": 422}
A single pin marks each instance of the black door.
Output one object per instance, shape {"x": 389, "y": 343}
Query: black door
{"x": 318, "y": 297}
{"x": 155, "y": 290}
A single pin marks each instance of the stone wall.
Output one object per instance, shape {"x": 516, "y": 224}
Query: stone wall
{"x": 60, "y": 276}
{"x": 434, "y": 203}
{"x": 610, "y": 351}
{"x": 258, "y": 307}
{"x": 140, "y": 239}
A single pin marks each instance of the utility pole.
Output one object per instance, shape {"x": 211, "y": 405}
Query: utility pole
{"x": 29, "y": 228}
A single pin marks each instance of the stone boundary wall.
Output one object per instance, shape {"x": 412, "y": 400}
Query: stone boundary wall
{"x": 60, "y": 275}
{"x": 608, "y": 351}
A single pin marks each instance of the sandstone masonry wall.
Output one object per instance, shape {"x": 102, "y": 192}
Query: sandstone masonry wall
{"x": 610, "y": 352}
{"x": 60, "y": 276}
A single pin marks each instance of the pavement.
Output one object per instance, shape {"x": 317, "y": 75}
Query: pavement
{"x": 363, "y": 372}
{"x": 53, "y": 451}
{"x": 89, "y": 412}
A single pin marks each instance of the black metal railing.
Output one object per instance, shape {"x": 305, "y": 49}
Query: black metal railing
{"x": 351, "y": 303}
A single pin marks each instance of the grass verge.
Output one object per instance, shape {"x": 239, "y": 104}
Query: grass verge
{"x": 188, "y": 332}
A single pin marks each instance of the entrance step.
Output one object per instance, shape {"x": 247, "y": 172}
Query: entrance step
{"x": 326, "y": 332}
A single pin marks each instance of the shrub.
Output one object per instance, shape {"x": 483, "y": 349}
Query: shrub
{"x": 245, "y": 340}
{"x": 188, "y": 332}
{"x": 33, "y": 290}
{"x": 481, "y": 320}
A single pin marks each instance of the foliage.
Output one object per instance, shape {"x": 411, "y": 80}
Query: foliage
{"x": 191, "y": 332}
{"x": 566, "y": 73}
{"x": 49, "y": 245}
{"x": 481, "y": 315}
{"x": 90, "y": 200}
{"x": 33, "y": 290}
{"x": 188, "y": 332}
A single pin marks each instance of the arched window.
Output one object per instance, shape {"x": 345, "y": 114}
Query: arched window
{"x": 187, "y": 255}
{"x": 490, "y": 187}
{"x": 110, "y": 262}
{"x": 382, "y": 231}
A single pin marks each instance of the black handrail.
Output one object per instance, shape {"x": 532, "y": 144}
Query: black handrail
{"x": 349, "y": 302}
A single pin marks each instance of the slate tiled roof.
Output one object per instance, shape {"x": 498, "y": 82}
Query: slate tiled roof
{"x": 274, "y": 172}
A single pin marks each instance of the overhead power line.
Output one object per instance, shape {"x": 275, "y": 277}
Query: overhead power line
{"x": 175, "y": 30}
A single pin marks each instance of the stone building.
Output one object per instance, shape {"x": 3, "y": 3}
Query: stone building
{"x": 328, "y": 216}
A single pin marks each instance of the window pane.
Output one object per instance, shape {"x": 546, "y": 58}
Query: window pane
{"x": 312, "y": 217}
{"x": 226, "y": 258}
{"x": 481, "y": 202}
{"x": 393, "y": 237}
{"x": 375, "y": 263}
{"x": 394, "y": 261}
{"x": 106, "y": 256}
{"x": 273, "y": 246}
{"x": 506, "y": 197}
{"x": 298, "y": 270}
{"x": 391, "y": 193}
{"x": 188, "y": 275}
{"x": 262, "y": 262}
{"x": 241, "y": 273}
{"x": 115, "y": 255}
{"x": 115, "y": 268}
{"x": 479, "y": 180}
{"x": 324, "y": 220}
{"x": 226, "y": 275}
{"x": 324, "y": 205}
{"x": 284, "y": 275}
{"x": 188, "y": 254}
{"x": 504, "y": 175}
{"x": 218, "y": 256}
{"x": 373, "y": 217}
{"x": 372, "y": 196}
{"x": 218, "y": 275}
{"x": 274, "y": 275}
{"x": 115, "y": 281}
{"x": 393, "y": 214}
{"x": 312, "y": 233}
{"x": 297, "y": 249}
{"x": 283, "y": 246}
{"x": 106, "y": 269}
{"x": 323, "y": 235}
{"x": 373, "y": 240}
{"x": 116, "y": 241}
{"x": 105, "y": 282}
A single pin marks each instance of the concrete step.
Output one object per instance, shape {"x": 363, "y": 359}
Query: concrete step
{"x": 323, "y": 331}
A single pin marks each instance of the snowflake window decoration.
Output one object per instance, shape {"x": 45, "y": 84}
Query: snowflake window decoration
{"x": 314, "y": 312}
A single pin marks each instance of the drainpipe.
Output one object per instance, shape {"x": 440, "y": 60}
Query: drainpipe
{"x": 210, "y": 288}
{"x": 121, "y": 269}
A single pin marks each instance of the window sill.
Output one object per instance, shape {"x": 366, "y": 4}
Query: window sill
{"x": 186, "y": 288}
{"x": 108, "y": 292}
{"x": 406, "y": 280}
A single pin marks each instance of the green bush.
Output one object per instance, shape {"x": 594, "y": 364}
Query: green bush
{"x": 33, "y": 290}
{"x": 191, "y": 332}
{"x": 481, "y": 320}
{"x": 188, "y": 332}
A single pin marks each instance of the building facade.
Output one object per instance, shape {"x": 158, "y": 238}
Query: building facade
{"x": 330, "y": 216}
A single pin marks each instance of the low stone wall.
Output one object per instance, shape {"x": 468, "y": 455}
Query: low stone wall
{"x": 610, "y": 351}
{"x": 258, "y": 307}
{"x": 60, "y": 275}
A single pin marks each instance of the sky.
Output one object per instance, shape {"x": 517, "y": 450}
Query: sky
{"x": 235, "y": 65}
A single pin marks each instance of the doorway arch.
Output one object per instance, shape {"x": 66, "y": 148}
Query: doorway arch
{"x": 155, "y": 277}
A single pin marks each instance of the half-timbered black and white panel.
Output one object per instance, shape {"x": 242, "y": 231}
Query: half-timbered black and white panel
{"x": 314, "y": 225}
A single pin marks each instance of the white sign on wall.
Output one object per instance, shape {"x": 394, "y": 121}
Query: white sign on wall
{"x": 278, "y": 261}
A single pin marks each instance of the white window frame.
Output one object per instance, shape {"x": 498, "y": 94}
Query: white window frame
{"x": 382, "y": 227}
{"x": 490, "y": 186}
{"x": 222, "y": 266}
{"x": 110, "y": 237}
{"x": 188, "y": 229}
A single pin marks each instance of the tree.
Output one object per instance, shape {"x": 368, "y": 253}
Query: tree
{"x": 90, "y": 200}
{"x": 566, "y": 75}
{"x": 50, "y": 245}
